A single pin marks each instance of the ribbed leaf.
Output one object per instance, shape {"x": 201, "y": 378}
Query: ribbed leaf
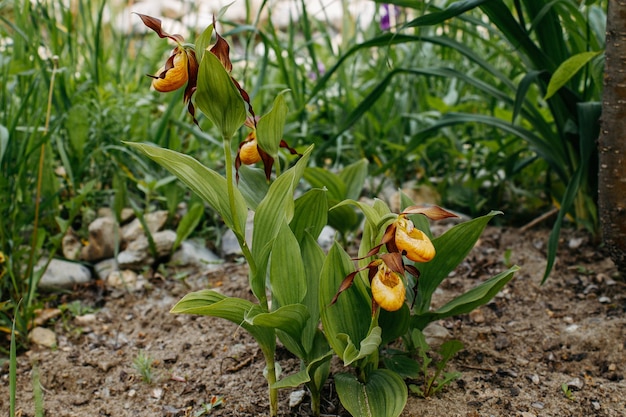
{"x": 350, "y": 316}
{"x": 289, "y": 319}
{"x": 208, "y": 184}
{"x": 452, "y": 247}
{"x": 367, "y": 346}
{"x": 567, "y": 70}
{"x": 270, "y": 127}
{"x": 218, "y": 97}
{"x": 287, "y": 275}
{"x": 465, "y": 303}
{"x": 322, "y": 178}
{"x": 276, "y": 208}
{"x": 235, "y": 310}
{"x": 353, "y": 176}
{"x": 455, "y": 9}
{"x": 383, "y": 395}
{"x": 313, "y": 259}
{"x": 253, "y": 185}
{"x": 310, "y": 214}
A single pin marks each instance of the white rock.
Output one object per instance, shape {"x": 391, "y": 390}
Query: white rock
{"x": 71, "y": 246}
{"x": 63, "y": 274}
{"x": 134, "y": 230}
{"x": 101, "y": 240}
{"x": 326, "y": 238}
{"x": 104, "y": 268}
{"x": 296, "y": 398}
{"x": 194, "y": 253}
{"x": 435, "y": 334}
{"x": 122, "y": 279}
{"x": 43, "y": 337}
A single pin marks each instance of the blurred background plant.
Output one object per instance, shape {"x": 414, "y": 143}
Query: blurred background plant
{"x": 459, "y": 98}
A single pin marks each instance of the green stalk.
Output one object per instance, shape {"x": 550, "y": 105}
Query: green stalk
{"x": 268, "y": 352}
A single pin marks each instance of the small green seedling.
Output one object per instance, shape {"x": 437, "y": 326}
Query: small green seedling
{"x": 143, "y": 364}
{"x": 206, "y": 408}
{"x": 437, "y": 380}
{"x": 567, "y": 392}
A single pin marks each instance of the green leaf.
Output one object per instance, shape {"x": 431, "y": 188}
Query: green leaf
{"x": 367, "y": 346}
{"x": 310, "y": 214}
{"x": 276, "y": 208}
{"x": 348, "y": 320}
{"x": 203, "y": 41}
{"x": 323, "y": 178}
{"x": 208, "y": 184}
{"x": 289, "y": 319}
{"x": 353, "y": 176}
{"x": 313, "y": 258}
{"x": 270, "y": 127}
{"x": 465, "y": 303}
{"x": 451, "y": 248}
{"x": 4, "y": 141}
{"x": 253, "y": 185}
{"x": 453, "y": 10}
{"x": 403, "y": 365}
{"x": 218, "y": 97}
{"x": 305, "y": 375}
{"x": 287, "y": 275}
{"x": 188, "y": 223}
{"x": 235, "y": 310}
{"x": 567, "y": 70}
{"x": 383, "y": 395}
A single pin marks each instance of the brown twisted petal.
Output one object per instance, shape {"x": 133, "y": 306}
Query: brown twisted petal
{"x": 249, "y": 152}
{"x": 173, "y": 76}
{"x": 388, "y": 289}
{"x": 413, "y": 242}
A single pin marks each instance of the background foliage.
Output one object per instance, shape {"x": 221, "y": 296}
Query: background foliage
{"x": 458, "y": 97}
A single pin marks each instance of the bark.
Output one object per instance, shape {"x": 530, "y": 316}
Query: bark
{"x": 612, "y": 140}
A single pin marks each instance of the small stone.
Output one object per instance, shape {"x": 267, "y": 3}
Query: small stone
{"x": 572, "y": 328}
{"x": 62, "y": 274}
{"x": 575, "y": 243}
{"x": 132, "y": 393}
{"x": 71, "y": 246}
{"x": 43, "y": 337}
{"x": 477, "y": 316}
{"x": 296, "y": 398}
{"x": 194, "y": 253}
{"x": 534, "y": 378}
{"x": 134, "y": 230}
{"x": 501, "y": 342}
{"x": 104, "y": 268}
{"x": 527, "y": 414}
{"x": 568, "y": 319}
{"x": 604, "y": 300}
{"x": 156, "y": 393}
{"x": 101, "y": 240}
{"x": 612, "y": 367}
{"x": 326, "y": 238}
{"x": 122, "y": 279}
{"x": 436, "y": 334}
{"x": 596, "y": 405}
{"x": 538, "y": 405}
{"x": 576, "y": 384}
{"x": 85, "y": 319}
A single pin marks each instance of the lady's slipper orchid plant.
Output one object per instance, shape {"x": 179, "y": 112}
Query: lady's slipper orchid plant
{"x": 386, "y": 274}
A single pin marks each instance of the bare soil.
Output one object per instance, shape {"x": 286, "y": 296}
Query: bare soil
{"x": 519, "y": 349}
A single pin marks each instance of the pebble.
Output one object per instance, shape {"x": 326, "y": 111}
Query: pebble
{"x": 195, "y": 253}
{"x": 501, "y": 342}
{"x": 296, "y": 398}
{"x": 572, "y": 328}
{"x": 604, "y": 300}
{"x": 527, "y": 414}
{"x": 43, "y": 337}
{"x": 534, "y": 378}
{"x": 477, "y": 316}
{"x": 62, "y": 274}
{"x": 436, "y": 334}
{"x": 575, "y": 243}
{"x": 122, "y": 279}
{"x": 538, "y": 405}
{"x": 85, "y": 319}
{"x": 576, "y": 384}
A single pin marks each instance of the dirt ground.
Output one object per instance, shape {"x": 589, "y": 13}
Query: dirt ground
{"x": 519, "y": 349}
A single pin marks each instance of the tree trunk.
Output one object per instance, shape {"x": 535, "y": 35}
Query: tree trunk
{"x": 612, "y": 140}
